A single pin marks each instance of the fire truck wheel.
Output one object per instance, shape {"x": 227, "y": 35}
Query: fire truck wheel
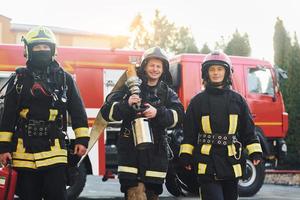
{"x": 76, "y": 181}
{"x": 253, "y": 180}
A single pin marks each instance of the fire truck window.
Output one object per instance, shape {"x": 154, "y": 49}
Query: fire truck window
{"x": 260, "y": 81}
{"x": 3, "y": 80}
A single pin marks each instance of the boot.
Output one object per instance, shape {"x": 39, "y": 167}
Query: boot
{"x": 137, "y": 192}
{"x": 151, "y": 195}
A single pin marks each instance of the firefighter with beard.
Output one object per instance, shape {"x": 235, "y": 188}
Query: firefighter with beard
{"x": 217, "y": 127}
{"x": 32, "y": 128}
{"x": 142, "y": 172}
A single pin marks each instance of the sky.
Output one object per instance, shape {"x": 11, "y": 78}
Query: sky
{"x": 207, "y": 20}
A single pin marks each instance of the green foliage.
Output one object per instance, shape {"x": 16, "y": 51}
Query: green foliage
{"x": 287, "y": 56}
{"x": 221, "y": 44}
{"x": 205, "y": 49}
{"x": 281, "y": 44}
{"x": 163, "y": 34}
{"x": 238, "y": 45}
{"x": 184, "y": 42}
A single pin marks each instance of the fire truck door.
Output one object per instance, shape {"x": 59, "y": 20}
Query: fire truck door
{"x": 263, "y": 100}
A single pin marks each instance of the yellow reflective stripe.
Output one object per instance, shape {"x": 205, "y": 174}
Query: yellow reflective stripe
{"x": 52, "y": 114}
{"x": 175, "y": 118}
{"x": 206, "y": 124}
{"x": 5, "y": 136}
{"x": 24, "y": 164}
{"x": 253, "y": 148}
{"x": 51, "y": 161}
{"x": 205, "y": 149}
{"x": 47, "y": 154}
{"x": 127, "y": 169}
{"x": 55, "y": 151}
{"x": 237, "y": 170}
{"x": 186, "y": 148}
{"x": 39, "y": 156}
{"x": 155, "y": 174}
{"x": 202, "y": 168}
{"x": 56, "y": 145}
{"x": 39, "y": 38}
{"x": 111, "y": 112}
{"x": 23, "y": 113}
{"x": 233, "y": 120}
{"x": 231, "y": 150}
{"x": 20, "y": 146}
{"x": 81, "y": 132}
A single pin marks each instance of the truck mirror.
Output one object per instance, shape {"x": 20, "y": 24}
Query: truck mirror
{"x": 281, "y": 74}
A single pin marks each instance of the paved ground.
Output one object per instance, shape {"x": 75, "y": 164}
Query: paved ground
{"x": 96, "y": 189}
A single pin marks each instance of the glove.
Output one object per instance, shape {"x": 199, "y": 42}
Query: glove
{"x": 186, "y": 161}
{"x": 256, "y": 158}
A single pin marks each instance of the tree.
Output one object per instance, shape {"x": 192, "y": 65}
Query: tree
{"x": 141, "y": 36}
{"x": 292, "y": 100}
{"x": 287, "y": 56}
{"x": 163, "y": 33}
{"x": 281, "y": 44}
{"x": 238, "y": 45}
{"x": 221, "y": 44}
{"x": 205, "y": 49}
{"x": 184, "y": 42}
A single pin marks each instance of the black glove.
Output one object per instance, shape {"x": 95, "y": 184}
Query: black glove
{"x": 256, "y": 156}
{"x": 186, "y": 161}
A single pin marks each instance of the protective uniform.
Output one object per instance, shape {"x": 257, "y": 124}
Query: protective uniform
{"x": 34, "y": 119}
{"x": 149, "y": 165}
{"x": 217, "y": 126}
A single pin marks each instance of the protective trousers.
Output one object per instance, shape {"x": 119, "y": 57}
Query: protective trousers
{"x": 48, "y": 184}
{"x": 219, "y": 190}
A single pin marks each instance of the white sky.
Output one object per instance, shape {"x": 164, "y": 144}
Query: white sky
{"x": 208, "y": 20}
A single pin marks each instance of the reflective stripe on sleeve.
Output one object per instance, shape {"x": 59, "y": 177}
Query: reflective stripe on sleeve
{"x": 253, "y": 148}
{"x": 81, "y": 132}
{"x": 155, "y": 174}
{"x": 5, "y": 136}
{"x": 175, "y": 118}
{"x": 186, "y": 148}
{"x": 132, "y": 170}
{"x": 111, "y": 112}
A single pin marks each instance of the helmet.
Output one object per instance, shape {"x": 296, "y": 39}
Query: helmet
{"x": 217, "y": 58}
{"x": 39, "y": 35}
{"x": 157, "y": 52}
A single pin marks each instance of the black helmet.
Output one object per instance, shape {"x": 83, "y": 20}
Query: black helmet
{"x": 217, "y": 58}
{"x": 158, "y": 53}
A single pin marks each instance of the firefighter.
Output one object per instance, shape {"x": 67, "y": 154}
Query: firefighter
{"x": 217, "y": 127}
{"x": 32, "y": 128}
{"x": 144, "y": 171}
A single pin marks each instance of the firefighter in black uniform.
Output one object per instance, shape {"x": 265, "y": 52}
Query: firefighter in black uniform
{"x": 144, "y": 171}
{"x": 31, "y": 131}
{"x": 217, "y": 126}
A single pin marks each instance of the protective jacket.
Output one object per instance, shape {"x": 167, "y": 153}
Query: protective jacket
{"x": 149, "y": 165}
{"x": 217, "y": 125}
{"x": 34, "y": 117}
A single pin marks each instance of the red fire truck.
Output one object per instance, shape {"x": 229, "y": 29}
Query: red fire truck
{"x": 97, "y": 70}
